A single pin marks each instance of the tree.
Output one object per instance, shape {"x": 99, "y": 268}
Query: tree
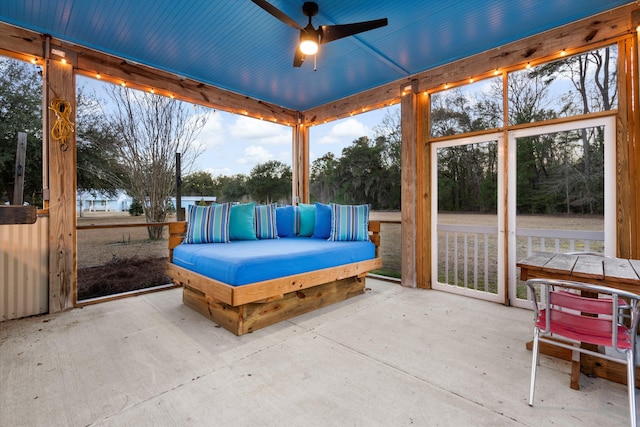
{"x": 98, "y": 168}
{"x": 151, "y": 129}
{"x": 389, "y": 134}
{"x": 322, "y": 180}
{"x": 233, "y": 188}
{"x": 593, "y": 75}
{"x": 361, "y": 172}
{"x": 199, "y": 184}
{"x": 270, "y": 181}
{"x": 20, "y": 111}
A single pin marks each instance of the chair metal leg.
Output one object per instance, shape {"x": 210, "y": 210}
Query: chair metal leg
{"x": 534, "y": 363}
{"x": 631, "y": 385}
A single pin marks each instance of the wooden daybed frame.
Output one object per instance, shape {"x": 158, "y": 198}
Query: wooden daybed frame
{"x": 243, "y": 309}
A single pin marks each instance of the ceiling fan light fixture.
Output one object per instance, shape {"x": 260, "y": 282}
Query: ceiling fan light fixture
{"x": 311, "y": 37}
{"x": 308, "y": 44}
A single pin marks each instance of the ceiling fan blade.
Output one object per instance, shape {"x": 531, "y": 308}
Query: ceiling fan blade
{"x": 278, "y": 13}
{"x": 298, "y": 58}
{"x": 330, "y": 33}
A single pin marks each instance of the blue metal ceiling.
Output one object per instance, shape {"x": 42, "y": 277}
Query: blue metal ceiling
{"x": 236, "y": 45}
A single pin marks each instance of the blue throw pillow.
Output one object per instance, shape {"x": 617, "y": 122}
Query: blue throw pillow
{"x": 307, "y": 219}
{"x": 266, "y": 224}
{"x": 242, "y": 222}
{"x": 349, "y": 222}
{"x": 208, "y": 224}
{"x": 285, "y": 219}
{"x": 322, "y": 227}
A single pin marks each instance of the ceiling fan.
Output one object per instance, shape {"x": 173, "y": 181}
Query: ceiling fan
{"x": 311, "y": 37}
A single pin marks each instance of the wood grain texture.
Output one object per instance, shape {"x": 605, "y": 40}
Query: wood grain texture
{"x": 252, "y": 316}
{"x": 616, "y": 273}
{"x": 60, "y": 83}
{"x": 408, "y": 211}
{"x": 242, "y": 309}
{"x": 624, "y": 192}
{"x": 18, "y": 215}
{"x": 589, "y": 267}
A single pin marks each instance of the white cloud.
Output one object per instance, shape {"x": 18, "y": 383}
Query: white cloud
{"x": 254, "y": 155}
{"x": 213, "y": 133}
{"x": 260, "y": 131}
{"x": 219, "y": 172}
{"x": 345, "y": 131}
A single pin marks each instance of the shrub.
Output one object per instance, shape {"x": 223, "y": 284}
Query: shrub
{"x": 136, "y": 208}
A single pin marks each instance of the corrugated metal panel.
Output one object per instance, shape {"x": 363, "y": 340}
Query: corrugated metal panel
{"x": 24, "y": 269}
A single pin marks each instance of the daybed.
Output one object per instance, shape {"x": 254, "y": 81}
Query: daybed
{"x": 245, "y": 285}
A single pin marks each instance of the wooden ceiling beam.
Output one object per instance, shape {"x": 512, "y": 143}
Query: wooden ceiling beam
{"x": 20, "y": 44}
{"x": 116, "y": 70}
{"x": 27, "y": 45}
{"x": 601, "y": 29}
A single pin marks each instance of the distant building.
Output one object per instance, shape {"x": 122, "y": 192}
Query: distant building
{"x": 97, "y": 201}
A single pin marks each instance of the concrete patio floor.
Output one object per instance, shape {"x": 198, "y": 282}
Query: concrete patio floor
{"x": 391, "y": 357}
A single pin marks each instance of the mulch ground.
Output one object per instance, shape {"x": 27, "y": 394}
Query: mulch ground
{"x": 121, "y": 275}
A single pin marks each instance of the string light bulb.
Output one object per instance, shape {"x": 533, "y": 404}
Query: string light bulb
{"x": 528, "y": 65}
{"x": 563, "y": 52}
{"x": 34, "y": 61}
{"x": 98, "y": 76}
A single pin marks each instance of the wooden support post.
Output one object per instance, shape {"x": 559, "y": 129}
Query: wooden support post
{"x": 409, "y": 111}
{"x": 300, "y": 169}
{"x": 59, "y": 83}
{"x": 633, "y": 119}
{"x": 18, "y": 185}
{"x": 423, "y": 195}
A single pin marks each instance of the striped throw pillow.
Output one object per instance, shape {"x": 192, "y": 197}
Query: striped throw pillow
{"x": 266, "y": 226}
{"x": 349, "y": 222}
{"x": 208, "y": 224}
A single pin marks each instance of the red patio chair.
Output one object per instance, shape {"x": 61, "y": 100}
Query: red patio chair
{"x": 562, "y": 311}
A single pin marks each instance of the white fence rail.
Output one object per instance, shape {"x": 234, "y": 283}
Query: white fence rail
{"x": 468, "y": 255}
{"x": 558, "y": 241}
{"x": 24, "y": 269}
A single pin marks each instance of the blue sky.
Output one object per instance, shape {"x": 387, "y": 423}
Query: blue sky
{"x": 233, "y": 143}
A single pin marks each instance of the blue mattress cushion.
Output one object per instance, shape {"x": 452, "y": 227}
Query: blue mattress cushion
{"x": 241, "y": 262}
